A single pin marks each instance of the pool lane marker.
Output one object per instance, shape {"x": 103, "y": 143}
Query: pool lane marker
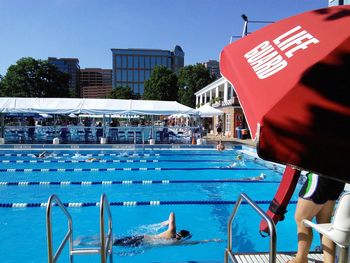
{"x": 135, "y": 203}
{"x": 147, "y": 182}
{"x": 128, "y": 169}
{"x": 112, "y": 154}
{"x": 115, "y": 161}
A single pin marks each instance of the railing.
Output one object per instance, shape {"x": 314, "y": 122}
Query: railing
{"x": 270, "y": 223}
{"x": 105, "y": 248}
{"x": 106, "y": 243}
{"x": 69, "y": 235}
{"x": 92, "y": 134}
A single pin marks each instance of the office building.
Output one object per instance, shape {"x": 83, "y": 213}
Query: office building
{"x": 131, "y": 67}
{"x": 95, "y": 82}
{"x": 70, "y": 66}
{"x": 214, "y": 68}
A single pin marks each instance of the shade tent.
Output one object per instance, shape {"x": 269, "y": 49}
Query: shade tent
{"x": 91, "y": 106}
{"x": 207, "y": 111}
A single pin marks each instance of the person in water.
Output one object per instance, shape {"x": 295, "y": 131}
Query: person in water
{"x": 169, "y": 236}
{"x": 255, "y": 178}
{"x": 42, "y": 155}
{"x": 220, "y": 146}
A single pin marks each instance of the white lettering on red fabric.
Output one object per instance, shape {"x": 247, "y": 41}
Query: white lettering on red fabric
{"x": 266, "y": 59}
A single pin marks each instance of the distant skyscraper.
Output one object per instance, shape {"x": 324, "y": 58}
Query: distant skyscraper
{"x": 131, "y": 67}
{"x": 95, "y": 82}
{"x": 70, "y": 66}
{"x": 213, "y": 67}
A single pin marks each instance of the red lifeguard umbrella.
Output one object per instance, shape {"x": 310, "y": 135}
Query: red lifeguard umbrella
{"x": 292, "y": 79}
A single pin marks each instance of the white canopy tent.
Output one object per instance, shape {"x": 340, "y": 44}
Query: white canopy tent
{"x": 207, "y": 111}
{"x": 92, "y": 106}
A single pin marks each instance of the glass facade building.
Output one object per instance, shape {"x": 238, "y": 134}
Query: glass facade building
{"x": 131, "y": 67}
{"x": 70, "y": 66}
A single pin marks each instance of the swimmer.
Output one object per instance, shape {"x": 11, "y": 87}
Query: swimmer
{"x": 41, "y": 155}
{"x": 256, "y": 178}
{"x": 220, "y": 146}
{"x": 168, "y": 237}
{"x": 92, "y": 159}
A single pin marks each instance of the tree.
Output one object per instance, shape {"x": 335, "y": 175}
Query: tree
{"x": 34, "y": 78}
{"x": 191, "y": 79}
{"x": 122, "y": 93}
{"x": 162, "y": 85}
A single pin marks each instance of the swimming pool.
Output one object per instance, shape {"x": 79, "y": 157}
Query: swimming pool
{"x": 199, "y": 185}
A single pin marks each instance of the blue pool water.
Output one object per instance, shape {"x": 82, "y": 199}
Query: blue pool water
{"x": 168, "y": 176}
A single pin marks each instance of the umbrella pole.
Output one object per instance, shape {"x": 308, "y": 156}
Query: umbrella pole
{"x": 343, "y": 255}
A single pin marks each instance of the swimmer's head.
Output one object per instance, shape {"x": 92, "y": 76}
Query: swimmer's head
{"x": 239, "y": 157}
{"x": 183, "y": 234}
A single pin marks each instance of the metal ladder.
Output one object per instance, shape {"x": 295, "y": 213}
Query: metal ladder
{"x": 271, "y": 226}
{"x": 106, "y": 241}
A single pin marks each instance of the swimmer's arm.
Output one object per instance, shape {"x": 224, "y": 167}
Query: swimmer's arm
{"x": 164, "y": 223}
{"x": 171, "y": 223}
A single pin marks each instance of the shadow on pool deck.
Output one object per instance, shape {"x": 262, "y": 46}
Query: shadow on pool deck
{"x": 211, "y": 138}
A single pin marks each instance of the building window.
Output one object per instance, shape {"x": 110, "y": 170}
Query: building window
{"x": 142, "y": 62}
{"x": 136, "y": 62}
{"x": 136, "y": 88}
{"x": 130, "y": 62}
{"x": 119, "y": 61}
{"x": 142, "y": 75}
{"x": 147, "y": 62}
{"x": 147, "y": 74}
{"x": 164, "y": 59}
{"x": 169, "y": 63}
{"x": 142, "y": 89}
{"x": 124, "y": 77}
{"x": 124, "y": 62}
{"x": 153, "y": 62}
{"x": 119, "y": 74}
{"x": 130, "y": 77}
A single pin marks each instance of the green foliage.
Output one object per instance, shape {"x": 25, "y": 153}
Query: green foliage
{"x": 162, "y": 85}
{"x": 34, "y": 78}
{"x": 192, "y": 78}
{"x": 122, "y": 93}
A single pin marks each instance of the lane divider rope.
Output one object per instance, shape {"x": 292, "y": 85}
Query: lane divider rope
{"x": 135, "y": 203}
{"x": 33, "y": 183}
{"x": 112, "y": 161}
{"x": 115, "y": 154}
{"x": 126, "y": 169}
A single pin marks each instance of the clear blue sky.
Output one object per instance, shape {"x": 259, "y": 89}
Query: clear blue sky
{"x": 88, "y": 29}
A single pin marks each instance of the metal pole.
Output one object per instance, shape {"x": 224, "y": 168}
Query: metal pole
{"x": 343, "y": 255}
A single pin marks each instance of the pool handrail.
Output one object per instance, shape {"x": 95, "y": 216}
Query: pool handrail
{"x": 69, "y": 234}
{"x": 105, "y": 248}
{"x": 270, "y": 223}
{"x": 106, "y": 243}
